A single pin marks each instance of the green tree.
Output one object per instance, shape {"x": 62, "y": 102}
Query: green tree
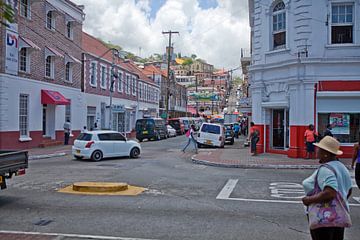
{"x": 6, "y": 13}
{"x": 187, "y": 61}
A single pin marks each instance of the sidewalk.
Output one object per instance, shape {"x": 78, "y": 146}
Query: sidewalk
{"x": 55, "y": 151}
{"x": 236, "y": 156}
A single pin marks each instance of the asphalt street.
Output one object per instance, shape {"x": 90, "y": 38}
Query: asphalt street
{"x": 183, "y": 200}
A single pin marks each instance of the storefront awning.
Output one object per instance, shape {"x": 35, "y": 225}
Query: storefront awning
{"x": 53, "y": 97}
{"x": 52, "y": 52}
{"x": 72, "y": 59}
{"x": 27, "y": 43}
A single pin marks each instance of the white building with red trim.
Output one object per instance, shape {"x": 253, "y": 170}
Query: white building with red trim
{"x": 40, "y": 74}
{"x": 305, "y": 69}
{"x": 134, "y": 94}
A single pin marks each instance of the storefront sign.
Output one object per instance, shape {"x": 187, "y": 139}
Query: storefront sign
{"x": 12, "y": 52}
{"x": 340, "y": 123}
{"x": 118, "y": 108}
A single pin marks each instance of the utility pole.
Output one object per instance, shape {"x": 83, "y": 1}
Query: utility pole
{"x": 196, "y": 90}
{"x": 212, "y": 97}
{"x": 168, "y": 72}
{"x": 112, "y": 81}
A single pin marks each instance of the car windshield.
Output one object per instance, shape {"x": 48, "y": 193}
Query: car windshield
{"x": 175, "y": 123}
{"x": 84, "y": 137}
{"x": 211, "y": 129}
{"x": 159, "y": 122}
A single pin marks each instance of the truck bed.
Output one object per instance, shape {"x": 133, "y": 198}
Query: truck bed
{"x": 12, "y": 161}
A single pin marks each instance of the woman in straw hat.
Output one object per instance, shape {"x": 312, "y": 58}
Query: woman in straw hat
{"x": 356, "y": 158}
{"x": 332, "y": 178}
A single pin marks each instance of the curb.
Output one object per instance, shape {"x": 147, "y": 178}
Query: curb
{"x": 36, "y": 157}
{"x": 252, "y": 166}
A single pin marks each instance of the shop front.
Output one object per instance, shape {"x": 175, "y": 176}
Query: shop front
{"x": 340, "y": 108}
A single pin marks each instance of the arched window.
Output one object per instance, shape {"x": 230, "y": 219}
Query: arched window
{"x": 279, "y": 25}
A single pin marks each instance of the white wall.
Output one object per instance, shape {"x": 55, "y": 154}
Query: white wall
{"x": 12, "y": 86}
{"x": 280, "y": 76}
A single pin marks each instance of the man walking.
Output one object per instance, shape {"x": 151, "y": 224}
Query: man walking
{"x": 67, "y": 128}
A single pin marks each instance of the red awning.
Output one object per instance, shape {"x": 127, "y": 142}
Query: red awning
{"x": 53, "y": 97}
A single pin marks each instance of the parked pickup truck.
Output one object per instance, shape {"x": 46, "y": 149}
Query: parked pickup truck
{"x": 12, "y": 163}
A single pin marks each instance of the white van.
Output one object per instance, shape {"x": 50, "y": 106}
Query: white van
{"x": 211, "y": 134}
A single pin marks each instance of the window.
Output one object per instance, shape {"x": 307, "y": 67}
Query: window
{"x": 279, "y": 26}
{"x": 117, "y": 137}
{"x": 342, "y": 23}
{"x": 69, "y": 30}
{"x": 210, "y": 129}
{"x": 127, "y": 84}
{"x": 93, "y": 69}
{"x": 120, "y": 80}
{"x": 345, "y": 126}
{"x": 49, "y": 67}
{"x": 24, "y": 115}
{"x": 134, "y": 86}
{"x": 145, "y": 92}
{"x": 68, "y": 72}
{"x": 84, "y": 137}
{"x": 103, "y": 77}
{"x": 140, "y": 90}
{"x": 25, "y": 9}
{"x": 105, "y": 137}
{"x": 68, "y": 113}
{"x": 24, "y": 63}
{"x": 50, "y": 20}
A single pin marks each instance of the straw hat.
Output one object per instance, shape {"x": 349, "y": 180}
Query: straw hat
{"x": 329, "y": 144}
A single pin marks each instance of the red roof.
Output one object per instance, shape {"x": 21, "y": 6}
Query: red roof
{"x": 149, "y": 70}
{"x": 95, "y": 47}
{"x": 136, "y": 70}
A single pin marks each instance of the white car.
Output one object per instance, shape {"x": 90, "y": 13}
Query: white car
{"x": 211, "y": 134}
{"x": 171, "y": 131}
{"x": 97, "y": 145}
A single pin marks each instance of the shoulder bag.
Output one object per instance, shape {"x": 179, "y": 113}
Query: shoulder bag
{"x": 328, "y": 214}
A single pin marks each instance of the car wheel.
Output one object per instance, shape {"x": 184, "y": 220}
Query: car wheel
{"x": 140, "y": 139}
{"x": 78, "y": 157}
{"x": 97, "y": 155}
{"x": 135, "y": 152}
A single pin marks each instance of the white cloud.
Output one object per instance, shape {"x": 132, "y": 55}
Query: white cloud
{"x": 215, "y": 35}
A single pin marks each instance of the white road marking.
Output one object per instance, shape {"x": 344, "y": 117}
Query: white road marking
{"x": 286, "y": 190}
{"x": 357, "y": 199}
{"x": 229, "y": 188}
{"x": 74, "y": 235}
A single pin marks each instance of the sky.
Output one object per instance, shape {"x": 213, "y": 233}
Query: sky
{"x": 214, "y": 30}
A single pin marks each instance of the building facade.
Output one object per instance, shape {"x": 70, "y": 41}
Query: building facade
{"x": 305, "y": 69}
{"x": 134, "y": 94}
{"x": 40, "y": 73}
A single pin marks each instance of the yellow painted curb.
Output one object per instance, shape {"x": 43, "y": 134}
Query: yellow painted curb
{"x": 99, "y": 187}
{"x": 120, "y": 189}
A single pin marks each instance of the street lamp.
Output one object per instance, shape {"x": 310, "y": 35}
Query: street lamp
{"x": 114, "y": 52}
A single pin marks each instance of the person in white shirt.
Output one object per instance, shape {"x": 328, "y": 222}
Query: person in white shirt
{"x": 191, "y": 135}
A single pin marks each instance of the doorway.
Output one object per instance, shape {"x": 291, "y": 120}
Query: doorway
{"x": 280, "y": 129}
{"x": 44, "y": 107}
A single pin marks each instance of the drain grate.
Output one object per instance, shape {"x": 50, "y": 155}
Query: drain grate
{"x": 43, "y": 222}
